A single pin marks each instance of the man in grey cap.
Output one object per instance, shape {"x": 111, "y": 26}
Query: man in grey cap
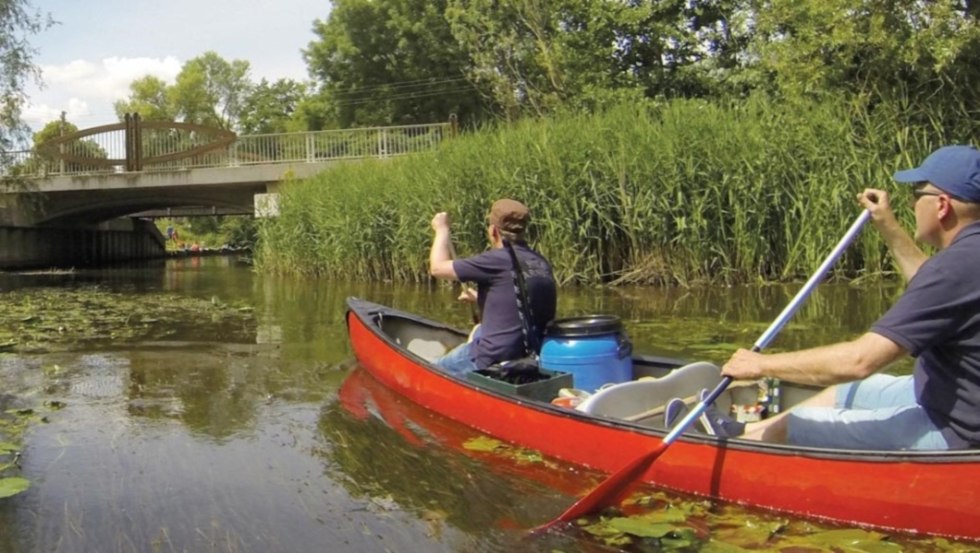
{"x": 937, "y": 320}
{"x": 501, "y": 333}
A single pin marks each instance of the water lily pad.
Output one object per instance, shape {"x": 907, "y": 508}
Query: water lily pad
{"x": 744, "y": 536}
{"x": 39, "y": 318}
{"x": 642, "y": 528}
{"x": 851, "y": 540}
{"x": 483, "y": 443}
{"x": 13, "y": 486}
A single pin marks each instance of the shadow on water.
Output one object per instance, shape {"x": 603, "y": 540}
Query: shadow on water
{"x": 211, "y": 433}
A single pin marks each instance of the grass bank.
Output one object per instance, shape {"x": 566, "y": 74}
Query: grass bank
{"x": 680, "y": 192}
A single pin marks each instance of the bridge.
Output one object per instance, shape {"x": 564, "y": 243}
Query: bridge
{"x": 113, "y": 177}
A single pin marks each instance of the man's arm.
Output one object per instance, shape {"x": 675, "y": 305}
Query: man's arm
{"x": 903, "y": 248}
{"x": 440, "y": 255}
{"x": 825, "y": 365}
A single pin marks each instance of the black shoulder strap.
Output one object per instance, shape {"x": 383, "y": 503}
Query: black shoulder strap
{"x": 523, "y": 303}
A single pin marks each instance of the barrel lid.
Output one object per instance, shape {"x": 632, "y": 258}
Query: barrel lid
{"x": 586, "y": 325}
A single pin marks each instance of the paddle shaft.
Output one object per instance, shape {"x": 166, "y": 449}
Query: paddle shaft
{"x": 778, "y": 324}
{"x": 659, "y": 410}
{"x": 610, "y": 490}
{"x": 474, "y": 308}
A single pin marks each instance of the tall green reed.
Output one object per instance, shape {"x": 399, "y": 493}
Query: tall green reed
{"x": 683, "y": 191}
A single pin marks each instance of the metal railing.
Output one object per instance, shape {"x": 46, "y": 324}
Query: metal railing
{"x": 166, "y": 147}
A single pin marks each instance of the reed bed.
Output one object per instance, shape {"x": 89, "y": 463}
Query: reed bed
{"x": 678, "y": 192}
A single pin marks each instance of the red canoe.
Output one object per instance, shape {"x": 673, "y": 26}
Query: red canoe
{"x": 934, "y": 493}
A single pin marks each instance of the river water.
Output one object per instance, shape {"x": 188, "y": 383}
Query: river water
{"x": 255, "y": 434}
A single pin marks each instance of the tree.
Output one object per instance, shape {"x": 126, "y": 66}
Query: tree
{"x": 149, "y": 98}
{"x": 18, "y": 20}
{"x": 84, "y": 149}
{"x": 209, "y": 90}
{"x": 270, "y": 107}
{"x": 536, "y": 56}
{"x": 390, "y": 62}
{"x": 812, "y": 47}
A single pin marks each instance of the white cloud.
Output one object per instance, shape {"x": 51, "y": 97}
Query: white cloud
{"x": 39, "y": 115}
{"x": 76, "y": 85}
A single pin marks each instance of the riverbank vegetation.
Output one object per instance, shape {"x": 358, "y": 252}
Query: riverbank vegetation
{"x": 656, "y": 142}
{"x": 213, "y": 231}
{"x": 649, "y": 192}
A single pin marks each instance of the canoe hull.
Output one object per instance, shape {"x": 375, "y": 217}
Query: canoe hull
{"x": 930, "y": 493}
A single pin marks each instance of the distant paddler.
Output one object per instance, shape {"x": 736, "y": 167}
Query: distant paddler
{"x": 500, "y": 336}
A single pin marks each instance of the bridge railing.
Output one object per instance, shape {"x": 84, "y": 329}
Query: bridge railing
{"x": 12, "y": 163}
{"x": 167, "y": 148}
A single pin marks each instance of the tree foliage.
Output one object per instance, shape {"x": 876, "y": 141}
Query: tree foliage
{"x": 538, "y": 55}
{"x": 88, "y": 149}
{"x": 389, "y": 62}
{"x": 532, "y": 57}
{"x": 820, "y": 46}
{"x": 269, "y": 108}
{"x": 18, "y": 21}
{"x": 148, "y": 97}
{"x": 209, "y": 90}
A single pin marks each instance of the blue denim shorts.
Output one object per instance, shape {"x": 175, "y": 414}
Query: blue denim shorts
{"x": 877, "y": 413}
{"x": 458, "y": 361}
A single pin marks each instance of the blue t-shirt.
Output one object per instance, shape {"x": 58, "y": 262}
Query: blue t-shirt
{"x": 501, "y": 335}
{"x": 937, "y": 320}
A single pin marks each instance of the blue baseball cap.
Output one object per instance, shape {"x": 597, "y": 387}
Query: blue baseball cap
{"x": 953, "y": 169}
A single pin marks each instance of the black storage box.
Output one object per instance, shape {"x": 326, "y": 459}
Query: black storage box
{"x": 542, "y": 386}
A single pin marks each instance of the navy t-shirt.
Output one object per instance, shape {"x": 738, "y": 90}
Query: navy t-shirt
{"x": 501, "y": 335}
{"x": 937, "y": 319}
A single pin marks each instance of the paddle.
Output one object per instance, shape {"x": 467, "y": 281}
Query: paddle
{"x": 474, "y": 308}
{"x": 611, "y": 491}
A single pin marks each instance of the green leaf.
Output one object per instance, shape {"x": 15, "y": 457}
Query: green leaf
{"x": 483, "y": 443}
{"x": 853, "y": 540}
{"x": 748, "y": 534}
{"x": 7, "y": 447}
{"x": 642, "y": 528}
{"x": 13, "y": 486}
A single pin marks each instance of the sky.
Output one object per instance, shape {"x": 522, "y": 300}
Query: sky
{"x": 98, "y": 47}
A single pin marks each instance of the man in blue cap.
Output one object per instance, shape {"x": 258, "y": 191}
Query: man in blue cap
{"x": 937, "y": 320}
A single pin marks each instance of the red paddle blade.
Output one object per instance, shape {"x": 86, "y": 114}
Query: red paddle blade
{"x": 609, "y": 492}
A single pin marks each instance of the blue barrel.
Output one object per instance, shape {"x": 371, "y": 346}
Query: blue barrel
{"x": 593, "y": 348}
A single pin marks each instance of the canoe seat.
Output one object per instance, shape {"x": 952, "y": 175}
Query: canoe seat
{"x": 628, "y": 400}
{"x": 430, "y": 350}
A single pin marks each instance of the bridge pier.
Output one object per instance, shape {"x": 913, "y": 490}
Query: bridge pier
{"x": 42, "y": 247}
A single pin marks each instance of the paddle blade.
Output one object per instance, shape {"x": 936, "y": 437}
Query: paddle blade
{"x": 610, "y": 492}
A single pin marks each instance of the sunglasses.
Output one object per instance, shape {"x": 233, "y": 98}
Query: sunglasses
{"x": 916, "y": 194}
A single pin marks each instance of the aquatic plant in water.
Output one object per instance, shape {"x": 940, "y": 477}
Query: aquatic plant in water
{"x": 35, "y": 319}
{"x": 41, "y": 319}
{"x": 13, "y": 423}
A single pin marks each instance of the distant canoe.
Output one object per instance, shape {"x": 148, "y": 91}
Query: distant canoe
{"x": 934, "y": 493}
